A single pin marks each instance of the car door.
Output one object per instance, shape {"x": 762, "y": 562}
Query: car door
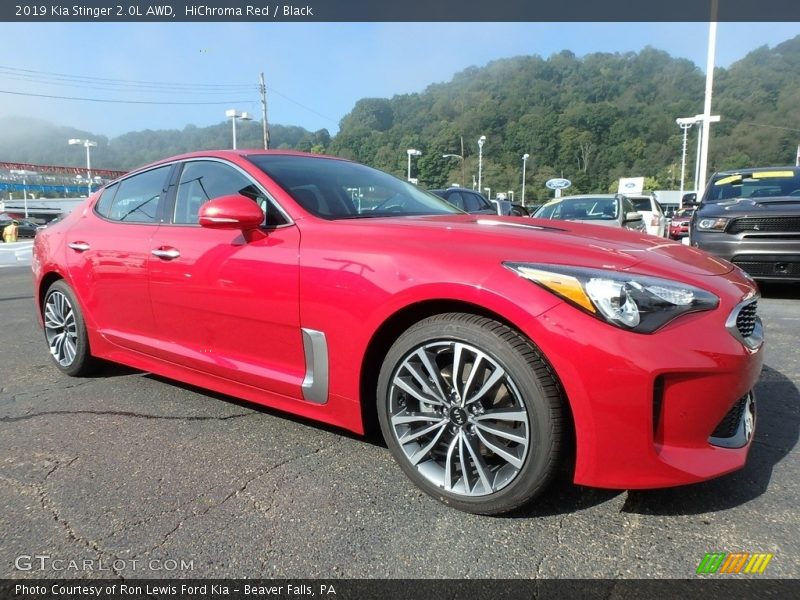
{"x": 108, "y": 251}
{"x": 223, "y": 304}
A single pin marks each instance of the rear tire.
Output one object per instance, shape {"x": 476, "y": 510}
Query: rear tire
{"x": 471, "y": 412}
{"x": 65, "y": 331}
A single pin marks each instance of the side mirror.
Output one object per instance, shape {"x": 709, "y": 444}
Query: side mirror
{"x": 632, "y": 216}
{"x": 231, "y": 212}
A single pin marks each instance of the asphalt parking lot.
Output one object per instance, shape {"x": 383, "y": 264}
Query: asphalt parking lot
{"x": 136, "y": 471}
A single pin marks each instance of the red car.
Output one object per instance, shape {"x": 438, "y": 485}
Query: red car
{"x": 679, "y": 225}
{"x": 483, "y": 346}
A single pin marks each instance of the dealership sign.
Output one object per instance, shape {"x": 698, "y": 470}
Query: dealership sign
{"x": 558, "y": 183}
{"x": 631, "y": 185}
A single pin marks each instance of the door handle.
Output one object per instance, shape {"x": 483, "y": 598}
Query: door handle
{"x": 166, "y": 253}
{"x": 79, "y": 246}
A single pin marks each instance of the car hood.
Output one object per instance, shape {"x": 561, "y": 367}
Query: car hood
{"x": 752, "y": 207}
{"x": 523, "y": 239}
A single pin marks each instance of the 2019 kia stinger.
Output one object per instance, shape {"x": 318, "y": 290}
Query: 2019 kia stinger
{"x": 482, "y": 345}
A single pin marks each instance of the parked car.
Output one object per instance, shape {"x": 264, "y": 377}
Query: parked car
{"x": 48, "y": 224}
{"x": 652, "y": 214}
{"x": 611, "y": 210}
{"x": 467, "y": 200}
{"x": 26, "y": 228}
{"x": 679, "y": 224}
{"x": 481, "y": 345}
{"x": 518, "y": 210}
{"x": 751, "y": 217}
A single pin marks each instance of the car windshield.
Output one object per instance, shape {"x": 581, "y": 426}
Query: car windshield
{"x": 684, "y": 212}
{"x": 758, "y": 184}
{"x": 339, "y": 189}
{"x": 641, "y": 204}
{"x": 581, "y": 209}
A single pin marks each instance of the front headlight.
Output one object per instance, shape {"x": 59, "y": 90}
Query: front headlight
{"x": 635, "y": 302}
{"x": 717, "y": 224}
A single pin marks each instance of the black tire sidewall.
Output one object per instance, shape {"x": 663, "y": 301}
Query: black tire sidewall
{"x": 543, "y": 434}
{"x": 83, "y": 361}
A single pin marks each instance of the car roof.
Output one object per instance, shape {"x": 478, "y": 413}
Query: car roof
{"x": 583, "y": 197}
{"x": 228, "y": 154}
{"x": 750, "y": 170}
{"x": 454, "y": 189}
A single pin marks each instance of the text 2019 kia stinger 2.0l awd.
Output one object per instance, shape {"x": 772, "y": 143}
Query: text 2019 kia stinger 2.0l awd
{"x": 482, "y": 345}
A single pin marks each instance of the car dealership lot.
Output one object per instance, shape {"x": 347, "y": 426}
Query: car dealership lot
{"x": 139, "y": 473}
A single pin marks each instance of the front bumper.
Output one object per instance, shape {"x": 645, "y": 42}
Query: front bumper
{"x": 648, "y": 408}
{"x": 767, "y": 258}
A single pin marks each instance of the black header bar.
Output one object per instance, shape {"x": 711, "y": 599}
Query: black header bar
{"x": 271, "y": 11}
{"x": 710, "y": 587}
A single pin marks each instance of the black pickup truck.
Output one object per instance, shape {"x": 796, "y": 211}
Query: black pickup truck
{"x": 751, "y": 217}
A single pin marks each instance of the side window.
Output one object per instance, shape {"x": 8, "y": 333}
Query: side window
{"x": 456, "y": 200}
{"x": 474, "y": 202}
{"x": 204, "y": 180}
{"x": 103, "y": 206}
{"x": 136, "y": 199}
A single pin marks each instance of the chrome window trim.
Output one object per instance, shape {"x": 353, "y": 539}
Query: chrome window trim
{"x": 124, "y": 178}
{"x": 270, "y": 197}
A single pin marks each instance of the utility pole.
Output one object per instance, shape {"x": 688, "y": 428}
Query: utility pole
{"x": 263, "y": 89}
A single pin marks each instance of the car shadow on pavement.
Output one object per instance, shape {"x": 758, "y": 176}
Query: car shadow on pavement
{"x": 777, "y": 431}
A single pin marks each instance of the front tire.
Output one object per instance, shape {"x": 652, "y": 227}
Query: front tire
{"x": 65, "y": 331}
{"x": 471, "y": 412}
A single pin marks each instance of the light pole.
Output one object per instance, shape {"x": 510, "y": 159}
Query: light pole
{"x": 234, "y": 114}
{"x": 86, "y": 144}
{"x": 24, "y": 186}
{"x": 525, "y": 158}
{"x": 712, "y": 46}
{"x": 481, "y": 142}
{"x": 685, "y": 123}
{"x": 411, "y": 152}
{"x": 461, "y": 158}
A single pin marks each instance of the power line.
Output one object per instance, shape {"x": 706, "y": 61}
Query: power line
{"x": 90, "y": 82}
{"x": 121, "y": 101}
{"x": 128, "y": 82}
{"x": 769, "y": 126}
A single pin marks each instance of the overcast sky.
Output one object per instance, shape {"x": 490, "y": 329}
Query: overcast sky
{"x": 315, "y": 71}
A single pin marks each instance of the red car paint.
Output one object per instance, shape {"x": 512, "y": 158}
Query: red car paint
{"x": 227, "y": 316}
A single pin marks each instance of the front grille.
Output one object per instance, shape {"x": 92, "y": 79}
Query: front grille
{"x": 746, "y": 319}
{"x": 730, "y": 422}
{"x": 768, "y": 224}
{"x": 777, "y": 269}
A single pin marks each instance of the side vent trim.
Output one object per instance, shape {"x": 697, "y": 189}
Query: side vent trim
{"x": 315, "y": 383}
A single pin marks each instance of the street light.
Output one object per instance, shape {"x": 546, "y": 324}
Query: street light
{"x": 481, "y": 142}
{"x": 685, "y": 123}
{"x": 525, "y": 158}
{"x": 234, "y": 114}
{"x": 411, "y": 152}
{"x": 24, "y": 186}
{"x": 461, "y": 158}
{"x": 87, "y": 144}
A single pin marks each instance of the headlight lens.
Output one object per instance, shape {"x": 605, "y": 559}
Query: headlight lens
{"x": 634, "y": 302}
{"x": 718, "y": 224}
